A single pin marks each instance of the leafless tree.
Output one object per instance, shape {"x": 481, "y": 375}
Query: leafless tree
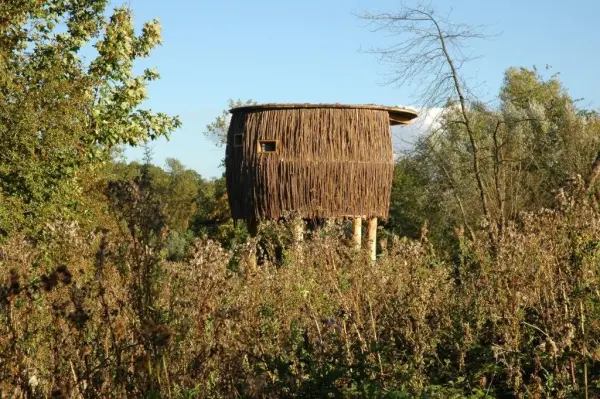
{"x": 431, "y": 53}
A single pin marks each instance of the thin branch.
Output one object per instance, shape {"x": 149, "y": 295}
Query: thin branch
{"x": 431, "y": 53}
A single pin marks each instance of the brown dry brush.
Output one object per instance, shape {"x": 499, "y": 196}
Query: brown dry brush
{"x": 101, "y": 314}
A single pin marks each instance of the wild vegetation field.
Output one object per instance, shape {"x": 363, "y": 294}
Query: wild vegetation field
{"x": 126, "y": 279}
{"x": 102, "y": 314}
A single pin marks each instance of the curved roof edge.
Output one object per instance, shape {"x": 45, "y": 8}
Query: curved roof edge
{"x": 398, "y": 115}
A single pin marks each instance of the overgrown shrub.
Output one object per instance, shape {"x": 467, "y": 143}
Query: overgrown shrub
{"x": 177, "y": 245}
{"x": 104, "y": 314}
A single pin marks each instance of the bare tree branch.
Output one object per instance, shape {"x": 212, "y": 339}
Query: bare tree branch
{"x": 431, "y": 54}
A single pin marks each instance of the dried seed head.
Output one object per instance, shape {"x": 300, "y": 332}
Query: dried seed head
{"x": 79, "y": 317}
{"x": 482, "y": 382}
{"x": 86, "y": 350}
{"x": 141, "y": 361}
{"x": 64, "y": 275}
{"x": 13, "y": 282}
{"x": 49, "y": 282}
{"x": 159, "y": 334}
{"x": 120, "y": 330}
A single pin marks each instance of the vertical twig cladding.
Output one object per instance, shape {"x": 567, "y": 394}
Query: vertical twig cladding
{"x": 329, "y": 162}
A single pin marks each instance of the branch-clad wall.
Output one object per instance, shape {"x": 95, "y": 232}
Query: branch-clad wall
{"x": 314, "y": 161}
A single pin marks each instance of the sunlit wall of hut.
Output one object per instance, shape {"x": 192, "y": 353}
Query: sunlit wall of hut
{"x": 311, "y": 160}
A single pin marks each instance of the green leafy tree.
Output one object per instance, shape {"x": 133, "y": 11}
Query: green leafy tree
{"x": 176, "y": 187}
{"x": 213, "y": 216}
{"x": 60, "y": 114}
{"x": 415, "y": 202}
{"x": 181, "y": 192}
{"x": 494, "y": 161}
{"x": 217, "y": 130}
{"x": 532, "y": 144}
{"x": 431, "y": 51}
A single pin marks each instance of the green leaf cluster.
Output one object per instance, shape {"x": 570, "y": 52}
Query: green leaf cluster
{"x": 60, "y": 113}
{"x": 533, "y": 143}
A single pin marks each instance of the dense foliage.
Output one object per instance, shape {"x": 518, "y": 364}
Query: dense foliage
{"x": 532, "y": 143}
{"x": 60, "y": 112}
{"x": 131, "y": 280}
{"x": 104, "y": 314}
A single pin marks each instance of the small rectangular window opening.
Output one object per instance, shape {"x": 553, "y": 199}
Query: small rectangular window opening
{"x": 267, "y": 146}
{"x": 238, "y": 140}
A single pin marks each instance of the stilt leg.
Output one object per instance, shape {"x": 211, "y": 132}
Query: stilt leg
{"x": 372, "y": 238}
{"x": 357, "y": 232}
{"x": 298, "y": 230}
{"x": 298, "y": 226}
{"x": 253, "y": 232}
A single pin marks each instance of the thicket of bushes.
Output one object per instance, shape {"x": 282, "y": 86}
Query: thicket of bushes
{"x": 104, "y": 314}
{"x": 127, "y": 280}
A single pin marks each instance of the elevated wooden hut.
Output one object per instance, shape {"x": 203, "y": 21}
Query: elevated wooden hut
{"x": 312, "y": 160}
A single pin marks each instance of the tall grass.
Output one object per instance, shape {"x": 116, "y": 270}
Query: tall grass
{"x": 103, "y": 314}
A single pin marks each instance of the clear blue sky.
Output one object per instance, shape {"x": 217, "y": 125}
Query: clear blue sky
{"x": 308, "y": 51}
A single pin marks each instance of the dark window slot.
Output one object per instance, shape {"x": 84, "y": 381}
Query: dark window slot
{"x": 267, "y": 146}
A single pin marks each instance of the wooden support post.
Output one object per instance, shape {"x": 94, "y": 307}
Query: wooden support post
{"x": 357, "y": 232}
{"x": 297, "y": 239}
{"x": 252, "y": 225}
{"x": 372, "y": 238}
{"x": 298, "y": 230}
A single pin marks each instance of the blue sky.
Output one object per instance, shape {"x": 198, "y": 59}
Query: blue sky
{"x": 308, "y": 51}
